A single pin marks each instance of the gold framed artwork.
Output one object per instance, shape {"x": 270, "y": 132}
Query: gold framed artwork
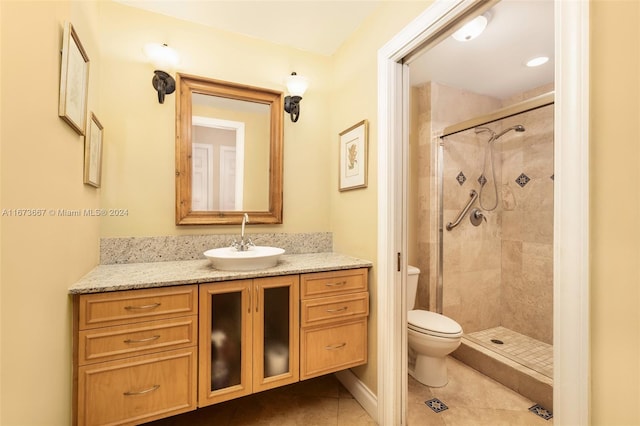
{"x": 353, "y": 157}
{"x": 74, "y": 80}
{"x": 93, "y": 152}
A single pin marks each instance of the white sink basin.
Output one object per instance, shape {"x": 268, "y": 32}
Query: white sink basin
{"x": 256, "y": 257}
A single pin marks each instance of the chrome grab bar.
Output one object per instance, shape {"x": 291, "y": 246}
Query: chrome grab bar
{"x": 474, "y": 196}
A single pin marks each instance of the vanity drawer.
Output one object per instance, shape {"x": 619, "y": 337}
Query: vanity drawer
{"x": 325, "y": 350}
{"x": 122, "y": 307}
{"x": 336, "y": 308}
{"x": 332, "y": 283}
{"x": 109, "y": 343}
{"x": 137, "y": 390}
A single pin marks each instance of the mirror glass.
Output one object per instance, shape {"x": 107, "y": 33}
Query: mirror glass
{"x": 228, "y": 152}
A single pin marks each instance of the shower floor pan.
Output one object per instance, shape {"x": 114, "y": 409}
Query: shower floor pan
{"x": 521, "y": 363}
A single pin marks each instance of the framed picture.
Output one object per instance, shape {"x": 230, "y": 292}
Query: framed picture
{"x": 74, "y": 80}
{"x": 93, "y": 153}
{"x": 353, "y": 157}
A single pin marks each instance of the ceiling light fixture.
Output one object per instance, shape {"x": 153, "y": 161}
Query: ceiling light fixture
{"x": 473, "y": 28}
{"x": 296, "y": 86}
{"x": 164, "y": 60}
{"x": 537, "y": 61}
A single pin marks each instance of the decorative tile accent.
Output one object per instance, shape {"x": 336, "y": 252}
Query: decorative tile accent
{"x": 482, "y": 180}
{"x": 461, "y": 178}
{"x": 552, "y": 177}
{"x": 522, "y": 180}
{"x": 436, "y": 405}
{"x": 541, "y": 412}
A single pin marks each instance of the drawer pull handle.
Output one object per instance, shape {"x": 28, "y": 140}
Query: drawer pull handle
{"x": 331, "y": 311}
{"x": 151, "y": 306}
{"x": 334, "y": 347}
{"x": 142, "y": 392}
{"x": 148, "y": 339}
{"x": 338, "y": 284}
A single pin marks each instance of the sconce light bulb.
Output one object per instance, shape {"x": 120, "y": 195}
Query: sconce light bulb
{"x": 162, "y": 56}
{"x": 297, "y": 84}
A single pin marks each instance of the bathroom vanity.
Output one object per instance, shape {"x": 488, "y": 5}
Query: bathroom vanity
{"x": 152, "y": 340}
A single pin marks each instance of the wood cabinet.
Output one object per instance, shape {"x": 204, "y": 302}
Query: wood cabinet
{"x": 249, "y": 337}
{"x": 135, "y": 355}
{"x": 334, "y": 311}
{"x": 141, "y": 355}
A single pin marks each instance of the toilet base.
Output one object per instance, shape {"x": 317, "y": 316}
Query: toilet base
{"x": 430, "y": 371}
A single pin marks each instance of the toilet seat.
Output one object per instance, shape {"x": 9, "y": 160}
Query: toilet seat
{"x": 434, "y": 324}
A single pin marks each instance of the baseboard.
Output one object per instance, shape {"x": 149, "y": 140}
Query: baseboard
{"x": 360, "y": 392}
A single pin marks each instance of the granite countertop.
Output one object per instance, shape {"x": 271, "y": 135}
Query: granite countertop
{"x": 130, "y": 276}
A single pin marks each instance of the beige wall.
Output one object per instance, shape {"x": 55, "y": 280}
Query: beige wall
{"x": 354, "y": 213}
{"x": 139, "y": 150}
{"x": 41, "y": 168}
{"x": 615, "y": 201}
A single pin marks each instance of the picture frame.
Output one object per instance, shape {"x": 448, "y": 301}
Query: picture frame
{"x": 74, "y": 80}
{"x": 93, "y": 152}
{"x": 353, "y": 157}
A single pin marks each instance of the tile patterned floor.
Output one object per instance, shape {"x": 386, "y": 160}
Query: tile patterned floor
{"x": 322, "y": 401}
{"x": 520, "y": 348}
{"x": 472, "y": 399}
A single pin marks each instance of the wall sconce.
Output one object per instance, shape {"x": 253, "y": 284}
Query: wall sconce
{"x": 296, "y": 85}
{"x": 163, "y": 58}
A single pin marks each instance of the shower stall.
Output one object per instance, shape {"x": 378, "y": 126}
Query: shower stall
{"x": 489, "y": 216}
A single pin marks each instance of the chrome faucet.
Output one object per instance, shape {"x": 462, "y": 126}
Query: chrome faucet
{"x": 243, "y": 245}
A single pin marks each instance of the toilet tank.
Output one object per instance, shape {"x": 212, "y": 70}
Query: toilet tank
{"x": 412, "y": 286}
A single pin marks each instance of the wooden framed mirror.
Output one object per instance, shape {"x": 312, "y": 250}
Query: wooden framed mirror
{"x": 229, "y": 142}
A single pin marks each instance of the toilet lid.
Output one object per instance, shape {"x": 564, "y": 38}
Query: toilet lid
{"x": 433, "y": 323}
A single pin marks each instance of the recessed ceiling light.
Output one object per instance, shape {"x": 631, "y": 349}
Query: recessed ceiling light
{"x": 536, "y": 62}
{"x": 472, "y": 29}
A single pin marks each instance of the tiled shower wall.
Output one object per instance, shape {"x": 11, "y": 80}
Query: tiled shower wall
{"x": 437, "y": 106}
{"x": 499, "y": 273}
{"x": 527, "y": 226}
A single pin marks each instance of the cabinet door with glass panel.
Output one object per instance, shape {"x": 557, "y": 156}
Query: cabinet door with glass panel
{"x": 249, "y": 337}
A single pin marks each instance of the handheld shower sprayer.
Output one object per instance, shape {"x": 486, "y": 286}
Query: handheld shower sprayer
{"x": 489, "y": 153}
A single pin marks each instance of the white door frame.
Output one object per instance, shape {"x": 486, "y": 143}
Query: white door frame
{"x": 571, "y": 207}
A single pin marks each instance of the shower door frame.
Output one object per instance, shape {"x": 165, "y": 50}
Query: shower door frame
{"x": 571, "y": 204}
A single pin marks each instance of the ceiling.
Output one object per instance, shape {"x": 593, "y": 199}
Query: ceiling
{"x": 318, "y": 26}
{"x": 492, "y": 64}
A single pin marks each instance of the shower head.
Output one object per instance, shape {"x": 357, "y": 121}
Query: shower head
{"x": 518, "y": 128}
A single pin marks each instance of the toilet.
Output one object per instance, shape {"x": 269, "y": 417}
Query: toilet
{"x": 431, "y": 337}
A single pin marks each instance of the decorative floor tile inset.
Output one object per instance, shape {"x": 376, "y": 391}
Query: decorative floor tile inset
{"x": 482, "y": 180}
{"x": 461, "y": 178}
{"x": 522, "y": 180}
{"x": 541, "y": 412}
{"x": 436, "y": 405}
